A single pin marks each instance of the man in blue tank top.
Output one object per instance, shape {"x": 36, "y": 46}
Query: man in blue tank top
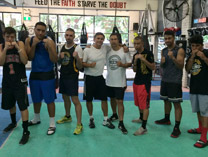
{"x": 172, "y": 63}
{"x": 42, "y": 52}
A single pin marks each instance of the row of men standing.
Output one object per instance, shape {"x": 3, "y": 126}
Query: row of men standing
{"x": 41, "y": 51}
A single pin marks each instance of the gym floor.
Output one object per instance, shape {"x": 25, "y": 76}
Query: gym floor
{"x": 102, "y": 141}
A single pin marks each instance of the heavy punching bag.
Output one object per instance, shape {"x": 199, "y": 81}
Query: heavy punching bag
{"x": 145, "y": 38}
{"x": 83, "y": 38}
{"x": 23, "y": 34}
{"x": 115, "y": 30}
{"x": 2, "y": 27}
{"x": 50, "y": 33}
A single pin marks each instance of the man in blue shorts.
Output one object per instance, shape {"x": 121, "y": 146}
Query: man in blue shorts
{"x": 197, "y": 65}
{"x": 41, "y": 51}
{"x": 71, "y": 62}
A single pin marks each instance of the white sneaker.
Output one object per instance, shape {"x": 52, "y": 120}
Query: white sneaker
{"x": 137, "y": 120}
{"x": 108, "y": 124}
{"x": 140, "y": 131}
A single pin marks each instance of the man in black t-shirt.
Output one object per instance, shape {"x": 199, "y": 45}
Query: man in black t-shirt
{"x": 197, "y": 65}
{"x": 14, "y": 84}
{"x": 143, "y": 64}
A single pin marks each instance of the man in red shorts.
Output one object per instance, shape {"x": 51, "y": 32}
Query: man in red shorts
{"x": 143, "y": 64}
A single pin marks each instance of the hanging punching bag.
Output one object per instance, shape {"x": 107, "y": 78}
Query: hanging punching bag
{"x": 2, "y": 27}
{"x": 50, "y": 33}
{"x": 23, "y": 34}
{"x": 83, "y": 38}
{"x": 115, "y": 30}
{"x": 145, "y": 38}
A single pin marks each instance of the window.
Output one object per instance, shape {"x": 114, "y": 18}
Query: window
{"x": 94, "y": 24}
{"x": 105, "y": 24}
{"x": 161, "y": 45}
{"x": 75, "y": 22}
{"x": 12, "y": 19}
{"x": 205, "y": 41}
{"x": 1, "y": 16}
{"x": 51, "y": 19}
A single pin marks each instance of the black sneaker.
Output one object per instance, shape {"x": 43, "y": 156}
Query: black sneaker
{"x": 92, "y": 124}
{"x": 25, "y": 138}
{"x": 10, "y": 127}
{"x": 114, "y": 117}
{"x": 163, "y": 122}
{"x": 176, "y": 132}
{"x": 122, "y": 128}
{"x": 108, "y": 124}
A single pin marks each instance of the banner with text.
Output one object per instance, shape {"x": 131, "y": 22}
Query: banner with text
{"x": 90, "y": 4}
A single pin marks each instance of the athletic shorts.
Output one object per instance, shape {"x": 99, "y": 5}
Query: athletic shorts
{"x": 141, "y": 96}
{"x": 69, "y": 86}
{"x": 43, "y": 90}
{"x": 14, "y": 93}
{"x": 94, "y": 88}
{"x": 116, "y": 92}
{"x": 199, "y": 103}
{"x": 171, "y": 92}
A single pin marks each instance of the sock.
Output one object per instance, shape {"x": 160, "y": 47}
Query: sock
{"x": 105, "y": 118}
{"x": 68, "y": 116}
{"x": 177, "y": 123}
{"x": 167, "y": 117}
{"x": 13, "y": 118}
{"x": 204, "y": 134}
{"x": 200, "y": 126}
{"x": 121, "y": 122}
{"x": 36, "y": 118}
{"x": 141, "y": 116}
{"x": 91, "y": 117}
{"x": 144, "y": 123}
{"x": 52, "y": 122}
{"x": 25, "y": 126}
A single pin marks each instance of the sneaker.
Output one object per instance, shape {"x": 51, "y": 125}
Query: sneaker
{"x": 114, "y": 117}
{"x": 108, "y": 124}
{"x": 30, "y": 123}
{"x": 78, "y": 129}
{"x": 25, "y": 138}
{"x": 163, "y": 122}
{"x": 122, "y": 128}
{"x": 137, "y": 120}
{"x": 92, "y": 124}
{"x": 64, "y": 120}
{"x": 140, "y": 131}
{"x": 176, "y": 132}
{"x": 10, "y": 127}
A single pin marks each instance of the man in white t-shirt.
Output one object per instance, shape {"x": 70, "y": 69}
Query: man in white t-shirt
{"x": 117, "y": 62}
{"x": 94, "y": 60}
{"x": 71, "y": 62}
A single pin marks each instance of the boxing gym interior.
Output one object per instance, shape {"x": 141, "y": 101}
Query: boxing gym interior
{"x": 128, "y": 18}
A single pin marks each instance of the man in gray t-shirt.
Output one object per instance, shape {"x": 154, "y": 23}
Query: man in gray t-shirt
{"x": 172, "y": 62}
